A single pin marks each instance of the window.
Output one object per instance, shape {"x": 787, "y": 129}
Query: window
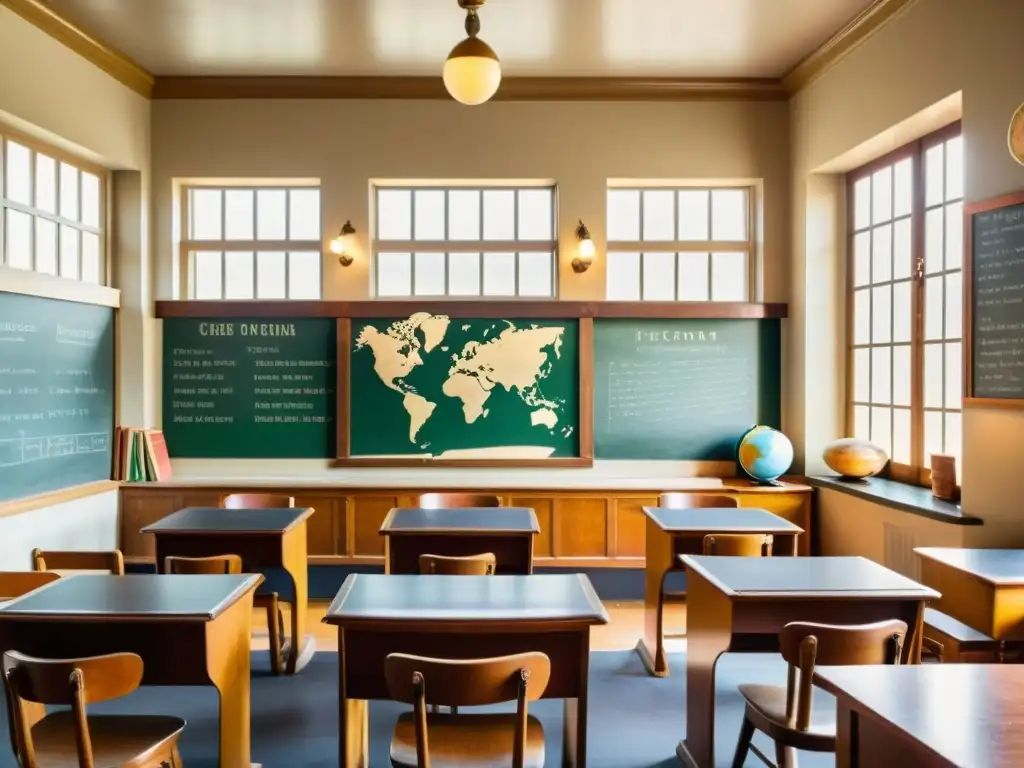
{"x": 253, "y": 242}
{"x": 52, "y": 212}
{"x": 906, "y": 251}
{"x": 679, "y": 244}
{"x": 461, "y": 242}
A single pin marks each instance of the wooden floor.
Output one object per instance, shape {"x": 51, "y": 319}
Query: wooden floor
{"x": 625, "y": 628}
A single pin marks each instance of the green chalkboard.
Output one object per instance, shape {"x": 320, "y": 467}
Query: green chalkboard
{"x": 683, "y": 389}
{"x": 430, "y": 386}
{"x": 257, "y": 388}
{"x": 56, "y": 394}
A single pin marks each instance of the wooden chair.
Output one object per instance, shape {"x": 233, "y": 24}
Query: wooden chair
{"x": 17, "y": 583}
{"x": 470, "y": 565}
{"x": 678, "y": 500}
{"x": 70, "y": 738}
{"x": 62, "y": 561}
{"x": 257, "y": 501}
{"x": 421, "y": 738}
{"x": 452, "y": 500}
{"x": 738, "y": 544}
{"x": 784, "y": 713}
{"x": 948, "y": 640}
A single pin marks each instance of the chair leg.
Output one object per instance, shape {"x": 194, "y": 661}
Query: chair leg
{"x": 274, "y": 623}
{"x": 785, "y": 757}
{"x": 743, "y": 744}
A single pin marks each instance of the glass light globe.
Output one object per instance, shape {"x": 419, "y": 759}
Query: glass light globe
{"x": 472, "y": 72}
{"x": 586, "y": 248}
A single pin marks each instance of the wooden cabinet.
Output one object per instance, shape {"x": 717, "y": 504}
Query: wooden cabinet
{"x": 578, "y": 528}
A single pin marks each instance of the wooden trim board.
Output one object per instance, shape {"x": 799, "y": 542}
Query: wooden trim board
{"x": 50, "y": 498}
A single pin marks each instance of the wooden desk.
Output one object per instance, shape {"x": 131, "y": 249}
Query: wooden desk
{"x": 264, "y": 539}
{"x": 189, "y": 630}
{"x": 674, "y": 532}
{"x": 928, "y": 715}
{"x": 983, "y": 588}
{"x": 462, "y": 617}
{"x": 508, "y": 532}
{"x": 741, "y": 604}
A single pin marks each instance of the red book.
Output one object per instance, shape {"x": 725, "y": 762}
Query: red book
{"x": 156, "y": 446}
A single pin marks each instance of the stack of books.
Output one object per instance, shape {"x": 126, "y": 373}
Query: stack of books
{"x": 140, "y": 455}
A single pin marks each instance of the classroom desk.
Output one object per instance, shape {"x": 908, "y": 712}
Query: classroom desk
{"x": 674, "y": 532}
{"x": 461, "y": 617}
{"x": 983, "y": 588}
{"x": 189, "y": 630}
{"x": 508, "y": 532}
{"x": 264, "y": 539}
{"x": 927, "y": 715}
{"x": 741, "y": 604}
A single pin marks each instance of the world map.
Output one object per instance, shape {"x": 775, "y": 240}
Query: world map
{"x": 503, "y": 376}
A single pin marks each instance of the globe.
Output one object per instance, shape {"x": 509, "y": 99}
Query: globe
{"x": 854, "y": 458}
{"x": 764, "y": 454}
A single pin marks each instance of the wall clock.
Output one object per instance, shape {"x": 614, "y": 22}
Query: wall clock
{"x": 1015, "y": 135}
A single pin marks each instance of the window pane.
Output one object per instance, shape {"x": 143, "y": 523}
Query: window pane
{"x": 881, "y": 195}
{"x": 394, "y": 274}
{"x": 954, "y": 438}
{"x": 862, "y": 316}
{"x": 933, "y": 287}
{"x": 954, "y": 235}
{"x": 901, "y": 314}
{"x": 901, "y": 435}
{"x": 903, "y": 187}
{"x": 934, "y": 184}
{"x": 91, "y": 258}
{"x": 901, "y": 253}
{"x": 954, "y": 375}
{"x": 623, "y": 215}
{"x": 18, "y": 171}
{"x": 932, "y": 435}
{"x": 304, "y": 275}
{"x": 239, "y": 215}
{"x": 90, "y": 200}
{"x": 954, "y": 305}
{"x": 901, "y": 375}
{"x": 728, "y": 277}
{"x": 69, "y": 252}
{"x": 694, "y": 214}
{"x": 623, "y": 276}
{"x": 862, "y": 422}
{"x": 46, "y": 246}
{"x": 428, "y": 274}
{"x": 862, "y": 375}
{"x": 933, "y": 240}
{"x": 499, "y": 274}
{"x": 304, "y": 214}
{"x": 499, "y": 214}
{"x": 18, "y": 234}
{"x": 464, "y": 214}
{"x": 394, "y": 214}
{"x": 204, "y": 214}
{"x": 270, "y": 272}
{"x": 881, "y": 373}
{"x": 464, "y": 271}
{"x": 862, "y": 203}
{"x": 881, "y": 254}
{"x": 862, "y": 258}
{"x": 535, "y": 274}
{"x": 881, "y": 428}
{"x": 239, "y": 272}
{"x": 659, "y": 214}
{"x": 429, "y": 214}
{"x": 208, "y": 274}
{"x": 46, "y": 183}
{"x": 659, "y": 276}
{"x": 881, "y": 319}
{"x": 69, "y": 192}
{"x": 955, "y": 168}
{"x": 933, "y": 375}
{"x": 729, "y": 214}
{"x": 535, "y": 215}
{"x": 694, "y": 277}
{"x": 271, "y": 223}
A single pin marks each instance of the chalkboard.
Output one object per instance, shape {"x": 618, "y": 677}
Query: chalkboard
{"x": 683, "y": 389}
{"x": 257, "y": 388}
{"x": 56, "y": 394}
{"x": 997, "y": 304}
{"x": 433, "y": 387}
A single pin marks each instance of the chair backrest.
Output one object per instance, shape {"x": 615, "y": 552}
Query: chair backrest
{"x": 805, "y": 644}
{"x": 111, "y": 562}
{"x": 738, "y": 544}
{"x": 451, "y": 500}
{"x": 470, "y": 683}
{"x": 470, "y": 565}
{"x": 676, "y": 500}
{"x": 216, "y": 564}
{"x": 17, "y": 583}
{"x": 63, "y": 682}
{"x": 257, "y": 501}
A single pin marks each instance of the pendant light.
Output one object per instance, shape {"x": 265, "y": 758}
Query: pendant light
{"x": 472, "y": 72}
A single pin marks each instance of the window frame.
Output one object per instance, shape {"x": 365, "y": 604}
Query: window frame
{"x": 446, "y": 246}
{"x": 918, "y": 471}
{"x": 187, "y": 247}
{"x": 749, "y": 247}
{"x": 81, "y": 165}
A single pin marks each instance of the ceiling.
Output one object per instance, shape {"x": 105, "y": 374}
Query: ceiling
{"x": 563, "y": 38}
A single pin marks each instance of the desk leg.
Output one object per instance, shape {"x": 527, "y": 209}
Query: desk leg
{"x": 574, "y": 735}
{"x": 658, "y": 562}
{"x": 846, "y": 732}
{"x": 299, "y": 650}
{"x": 227, "y": 664}
{"x": 353, "y": 721}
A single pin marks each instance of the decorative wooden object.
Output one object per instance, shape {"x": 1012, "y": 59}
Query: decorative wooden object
{"x": 944, "y": 477}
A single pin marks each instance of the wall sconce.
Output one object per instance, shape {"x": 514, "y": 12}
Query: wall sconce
{"x": 585, "y": 248}
{"x": 340, "y": 244}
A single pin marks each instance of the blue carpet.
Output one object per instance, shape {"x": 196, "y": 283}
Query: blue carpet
{"x": 635, "y": 720}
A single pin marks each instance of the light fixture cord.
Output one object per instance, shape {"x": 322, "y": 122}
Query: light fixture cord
{"x": 472, "y": 22}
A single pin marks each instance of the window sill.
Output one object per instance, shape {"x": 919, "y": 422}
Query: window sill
{"x": 903, "y": 496}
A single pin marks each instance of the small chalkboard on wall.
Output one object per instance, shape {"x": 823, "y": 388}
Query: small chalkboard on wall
{"x": 994, "y": 358}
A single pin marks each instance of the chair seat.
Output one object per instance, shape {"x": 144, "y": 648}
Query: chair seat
{"x": 467, "y": 741}
{"x": 118, "y": 741}
{"x": 769, "y": 701}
